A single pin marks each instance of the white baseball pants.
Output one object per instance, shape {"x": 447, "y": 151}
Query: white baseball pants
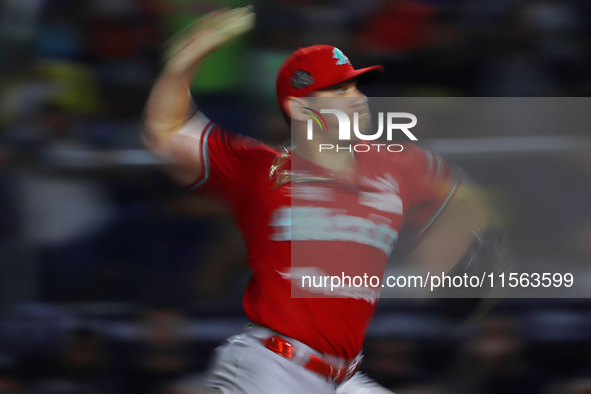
{"x": 244, "y": 366}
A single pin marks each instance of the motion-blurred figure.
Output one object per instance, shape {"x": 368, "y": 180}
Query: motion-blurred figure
{"x": 339, "y": 207}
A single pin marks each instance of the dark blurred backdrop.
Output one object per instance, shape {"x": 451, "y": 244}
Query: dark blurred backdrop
{"x": 113, "y": 280}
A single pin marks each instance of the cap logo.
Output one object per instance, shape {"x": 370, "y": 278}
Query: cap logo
{"x": 301, "y": 79}
{"x": 340, "y": 56}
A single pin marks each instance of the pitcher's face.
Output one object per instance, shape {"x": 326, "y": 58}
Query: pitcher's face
{"x": 347, "y": 98}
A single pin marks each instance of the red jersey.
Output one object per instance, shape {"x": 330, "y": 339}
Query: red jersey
{"x": 294, "y": 210}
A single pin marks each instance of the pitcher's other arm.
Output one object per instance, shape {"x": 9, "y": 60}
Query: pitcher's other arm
{"x": 452, "y": 233}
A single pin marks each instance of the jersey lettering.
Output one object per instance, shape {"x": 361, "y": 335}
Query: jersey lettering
{"x": 326, "y": 224}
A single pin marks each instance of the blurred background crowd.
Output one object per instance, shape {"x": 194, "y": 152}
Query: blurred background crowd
{"x": 113, "y": 280}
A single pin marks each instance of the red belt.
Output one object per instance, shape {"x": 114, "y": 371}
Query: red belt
{"x": 313, "y": 363}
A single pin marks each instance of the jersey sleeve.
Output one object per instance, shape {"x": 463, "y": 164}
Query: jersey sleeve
{"x": 229, "y": 161}
{"x": 433, "y": 182}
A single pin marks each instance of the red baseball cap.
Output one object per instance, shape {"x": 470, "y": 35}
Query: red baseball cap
{"x": 317, "y": 67}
